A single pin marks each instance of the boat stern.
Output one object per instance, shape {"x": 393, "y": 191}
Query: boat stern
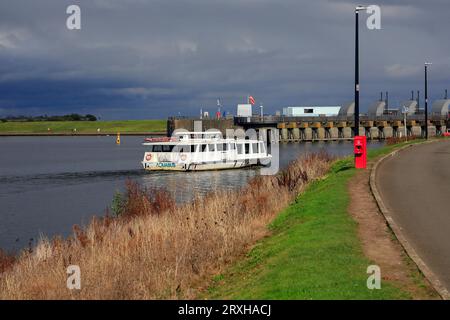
{"x": 153, "y": 162}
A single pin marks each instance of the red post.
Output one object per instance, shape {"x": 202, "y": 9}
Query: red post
{"x": 360, "y": 150}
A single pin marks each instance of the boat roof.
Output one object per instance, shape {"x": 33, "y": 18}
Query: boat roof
{"x": 196, "y": 132}
{"x": 200, "y": 141}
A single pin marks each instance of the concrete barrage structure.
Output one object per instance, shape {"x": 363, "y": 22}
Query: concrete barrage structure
{"x": 374, "y": 125}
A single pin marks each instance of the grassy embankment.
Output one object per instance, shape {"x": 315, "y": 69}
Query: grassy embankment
{"x": 313, "y": 252}
{"x": 83, "y": 127}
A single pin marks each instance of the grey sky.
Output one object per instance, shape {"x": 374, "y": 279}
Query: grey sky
{"x": 150, "y": 59}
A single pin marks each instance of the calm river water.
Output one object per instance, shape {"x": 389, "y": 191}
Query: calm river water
{"x": 48, "y": 184}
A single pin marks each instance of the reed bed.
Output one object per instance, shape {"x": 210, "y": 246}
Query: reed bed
{"x": 155, "y": 248}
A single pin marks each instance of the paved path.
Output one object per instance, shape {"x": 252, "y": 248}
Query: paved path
{"x": 415, "y": 187}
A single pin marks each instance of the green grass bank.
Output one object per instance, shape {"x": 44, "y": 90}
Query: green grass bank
{"x": 313, "y": 251}
{"x": 83, "y": 127}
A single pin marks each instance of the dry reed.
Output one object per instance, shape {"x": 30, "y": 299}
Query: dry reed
{"x": 396, "y": 140}
{"x": 157, "y": 249}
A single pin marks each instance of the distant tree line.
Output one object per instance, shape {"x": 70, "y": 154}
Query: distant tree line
{"x": 67, "y": 117}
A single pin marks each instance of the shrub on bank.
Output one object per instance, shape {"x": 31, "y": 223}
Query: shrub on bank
{"x": 6, "y": 261}
{"x": 396, "y": 140}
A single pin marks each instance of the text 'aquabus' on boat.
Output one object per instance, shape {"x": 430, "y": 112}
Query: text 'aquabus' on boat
{"x": 195, "y": 151}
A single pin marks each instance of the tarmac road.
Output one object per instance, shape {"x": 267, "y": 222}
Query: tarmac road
{"x": 415, "y": 186}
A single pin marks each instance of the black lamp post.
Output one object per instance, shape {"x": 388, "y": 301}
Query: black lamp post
{"x": 357, "y": 9}
{"x": 426, "y": 99}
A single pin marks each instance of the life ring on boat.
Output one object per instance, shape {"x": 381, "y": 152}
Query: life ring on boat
{"x": 183, "y": 157}
{"x": 148, "y": 157}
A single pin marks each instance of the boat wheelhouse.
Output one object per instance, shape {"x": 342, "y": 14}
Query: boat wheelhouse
{"x": 195, "y": 151}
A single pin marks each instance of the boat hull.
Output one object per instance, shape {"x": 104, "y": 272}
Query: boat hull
{"x": 196, "y": 166}
{"x": 151, "y": 166}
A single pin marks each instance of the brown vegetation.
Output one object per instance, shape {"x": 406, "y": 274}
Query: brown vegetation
{"x": 155, "y": 248}
{"x": 396, "y": 140}
{"x": 6, "y": 261}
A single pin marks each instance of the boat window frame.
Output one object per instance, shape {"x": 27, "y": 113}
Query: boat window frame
{"x": 247, "y": 148}
{"x": 161, "y": 148}
{"x": 181, "y": 148}
{"x": 240, "y": 148}
{"x": 261, "y": 147}
{"x": 167, "y": 148}
{"x": 253, "y": 147}
{"x": 156, "y": 148}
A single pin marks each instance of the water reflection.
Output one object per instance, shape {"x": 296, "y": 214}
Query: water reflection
{"x": 183, "y": 186}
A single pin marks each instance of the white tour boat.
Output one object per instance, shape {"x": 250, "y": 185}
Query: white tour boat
{"x": 194, "y": 151}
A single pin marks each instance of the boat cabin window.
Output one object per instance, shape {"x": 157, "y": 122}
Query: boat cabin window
{"x": 192, "y": 148}
{"x": 211, "y": 147}
{"x": 182, "y": 148}
{"x": 221, "y": 147}
{"x": 232, "y": 146}
{"x": 203, "y": 147}
{"x": 261, "y": 147}
{"x": 162, "y": 148}
{"x": 247, "y": 148}
{"x": 239, "y": 148}
{"x": 174, "y": 148}
{"x": 255, "y": 147}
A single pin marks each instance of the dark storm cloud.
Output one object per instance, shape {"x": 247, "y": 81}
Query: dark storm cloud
{"x": 136, "y": 58}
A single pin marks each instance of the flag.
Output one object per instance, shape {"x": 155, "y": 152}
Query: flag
{"x": 251, "y": 100}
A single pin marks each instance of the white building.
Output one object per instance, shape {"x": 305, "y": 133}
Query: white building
{"x": 311, "y": 111}
{"x": 244, "y": 110}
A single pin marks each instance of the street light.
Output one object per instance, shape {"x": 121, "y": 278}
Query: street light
{"x": 357, "y": 9}
{"x": 405, "y": 110}
{"x": 426, "y": 98}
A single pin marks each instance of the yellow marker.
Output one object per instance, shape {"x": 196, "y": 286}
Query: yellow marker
{"x": 118, "y": 138}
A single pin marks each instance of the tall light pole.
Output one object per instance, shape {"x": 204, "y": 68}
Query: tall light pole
{"x": 426, "y": 98}
{"x": 357, "y": 9}
{"x": 405, "y": 110}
